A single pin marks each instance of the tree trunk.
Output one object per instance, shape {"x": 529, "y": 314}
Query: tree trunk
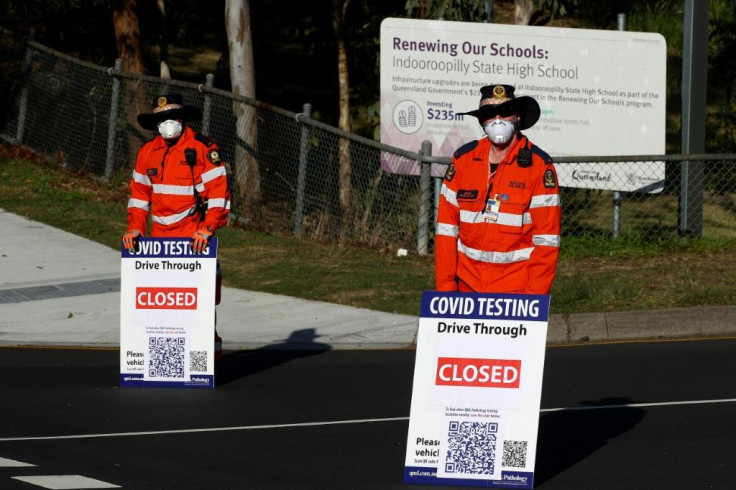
{"x": 347, "y": 204}
{"x": 247, "y": 175}
{"x": 523, "y": 10}
{"x": 164, "y": 42}
{"x": 127, "y": 35}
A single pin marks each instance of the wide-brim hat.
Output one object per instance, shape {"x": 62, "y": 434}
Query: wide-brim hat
{"x": 500, "y": 100}
{"x": 168, "y": 107}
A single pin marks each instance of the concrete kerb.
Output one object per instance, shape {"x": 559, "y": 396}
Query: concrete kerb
{"x": 673, "y": 323}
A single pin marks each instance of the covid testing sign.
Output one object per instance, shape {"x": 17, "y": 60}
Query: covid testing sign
{"x": 477, "y": 390}
{"x": 167, "y": 314}
{"x": 601, "y": 93}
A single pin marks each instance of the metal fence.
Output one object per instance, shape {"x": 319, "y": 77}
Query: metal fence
{"x": 291, "y": 174}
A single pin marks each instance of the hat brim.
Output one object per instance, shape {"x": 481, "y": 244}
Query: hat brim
{"x": 186, "y": 114}
{"x": 527, "y": 107}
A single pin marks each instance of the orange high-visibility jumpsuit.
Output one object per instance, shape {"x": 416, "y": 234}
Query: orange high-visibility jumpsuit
{"x": 163, "y": 184}
{"x": 499, "y": 234}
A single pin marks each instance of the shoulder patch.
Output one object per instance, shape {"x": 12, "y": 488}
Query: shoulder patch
{"x": 450, "y": 173}
{"x": 465, "y": 148}
{"x": 541, "y": 153}
{"x": 203, "y": 139}
{"x": 550, "y": 179}
{"x": 214, "y": 156}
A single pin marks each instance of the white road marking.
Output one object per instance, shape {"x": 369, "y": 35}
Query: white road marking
{"x": 11, "y": 463}
{"x": 65, "y": 482}
{"x": 338, "y": 422}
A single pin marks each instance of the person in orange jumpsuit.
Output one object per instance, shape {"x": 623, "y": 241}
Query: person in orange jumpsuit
{"x": 498, "y": 223}
{"x": 180, "y": 180}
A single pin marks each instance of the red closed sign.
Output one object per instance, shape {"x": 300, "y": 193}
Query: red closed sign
{"x": 166, "y": 298}
{"x": 484, "y": 373}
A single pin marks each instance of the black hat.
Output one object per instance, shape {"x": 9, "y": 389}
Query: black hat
{"x": 168, "y": 107}
{"x": 500, "y": 100}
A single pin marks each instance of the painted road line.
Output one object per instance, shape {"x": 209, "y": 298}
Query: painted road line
{"x": 339, "y": 422}
{"x": 65, "y": 482}
{"x": 11, "y": 463}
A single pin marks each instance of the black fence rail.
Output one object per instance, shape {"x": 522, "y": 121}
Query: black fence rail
{"x": 292, "y": 174}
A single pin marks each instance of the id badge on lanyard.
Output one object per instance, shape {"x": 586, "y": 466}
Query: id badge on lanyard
{"x": 490, "y": 213}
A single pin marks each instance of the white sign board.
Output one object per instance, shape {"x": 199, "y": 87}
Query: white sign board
{"x": 167, "y": 314}
{"x": 477, "y": 389}
{"x": 601, "y": 93}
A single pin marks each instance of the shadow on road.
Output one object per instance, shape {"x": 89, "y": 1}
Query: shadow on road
{"x": 236, "y": 365}
{"x": 571, "y": 435}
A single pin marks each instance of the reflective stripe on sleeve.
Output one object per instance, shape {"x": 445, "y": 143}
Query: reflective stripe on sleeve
{"x": 139, "y": 203}
{"x": 171, "y": 219}
{"x": 546, "y": 240}
{"x": 450, "y": 195}
{"x": 495, "y": 257}
{"x": 141, "y": 179}
{"x": 544, "y": 200}
{"x": 213, "y": 174}
{"x": 218, "y": 203}
{"x": 447, "y": 230}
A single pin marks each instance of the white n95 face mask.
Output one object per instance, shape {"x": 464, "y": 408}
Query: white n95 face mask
{"x": 499, "y": 131}
{"x": 170, "y": 129}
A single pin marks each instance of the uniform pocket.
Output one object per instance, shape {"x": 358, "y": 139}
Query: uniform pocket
{"x": 511, "y": 216}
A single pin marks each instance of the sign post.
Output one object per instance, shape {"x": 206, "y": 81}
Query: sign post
{"x": 477, "y": 389}
{"x": 167, "y": 315}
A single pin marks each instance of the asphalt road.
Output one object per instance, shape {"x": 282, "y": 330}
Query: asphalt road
{"x": 642, "y": 415}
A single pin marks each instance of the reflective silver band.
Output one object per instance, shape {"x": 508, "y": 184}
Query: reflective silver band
{"x": 141, "y": 179}
{"x": 546, "y": 240}
{"x": 218, "y": 203}
{"x": 502, "y": 219}
{"x": 450, "y": 195}
{"x": 174, "y": 190}
{"x": 544, "y": 200}
{"x": 139, "y": 203}
{"x": 495, "y": 257}
{"x": 447, "y": 230}
{"x": 213, "y": 174}
{"x": 171, "y": 219}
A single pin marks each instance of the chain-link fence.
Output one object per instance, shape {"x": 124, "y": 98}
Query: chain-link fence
{"x": 292, "y": 174}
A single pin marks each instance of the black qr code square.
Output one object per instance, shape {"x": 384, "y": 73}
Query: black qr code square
{"x": 514, "y": 454}
{"x": 471, "y": 447}
{"x": 166, "y": 357}
{"x": 198, "y": 361}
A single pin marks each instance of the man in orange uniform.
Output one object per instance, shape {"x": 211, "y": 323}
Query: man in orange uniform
{"x": 498, "y": 225}
{"x": 180, "y": 180}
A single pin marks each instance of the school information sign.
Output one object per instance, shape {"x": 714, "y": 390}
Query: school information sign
{"x": 167, "y": 314}
{"x": 601, "y": 93}
{"x": 477, "y": 389}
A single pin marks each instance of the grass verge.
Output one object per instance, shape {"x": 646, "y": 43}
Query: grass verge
{"x": 595, "y": 274}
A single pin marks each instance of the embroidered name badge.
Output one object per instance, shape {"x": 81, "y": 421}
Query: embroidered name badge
{"x": 467, "y": 194}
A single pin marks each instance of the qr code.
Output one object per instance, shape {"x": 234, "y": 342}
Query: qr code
{"x": 166, "y": 357}
{"x": 198, "y": 361}
{"x": 514, "y": 454}
{"x": 471, "y": 447}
